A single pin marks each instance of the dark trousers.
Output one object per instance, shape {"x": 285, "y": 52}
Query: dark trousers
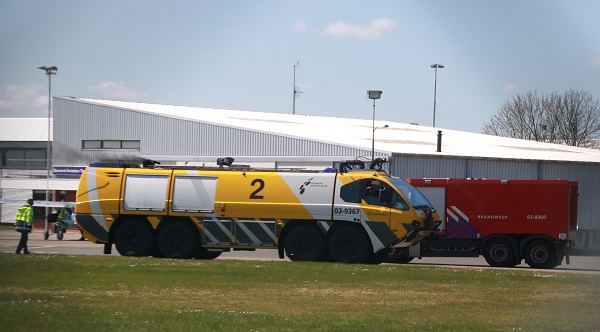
{"x": 23, "y": 242}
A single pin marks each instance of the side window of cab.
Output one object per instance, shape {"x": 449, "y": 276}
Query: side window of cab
{"x": 398, "y": 202}
{"x": 376, "y": 192}
{"x": 352, "y": 192}
{"x": 372, "y": 191}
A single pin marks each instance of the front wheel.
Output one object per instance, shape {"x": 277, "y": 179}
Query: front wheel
{"x": 350, "y": 245}
{"x": 540, "y": 254}
{"x": 134, "y": 238}
{"x": 500, "y": 253}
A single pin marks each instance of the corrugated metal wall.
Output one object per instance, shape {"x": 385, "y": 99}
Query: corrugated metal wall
{"x": 167, "y": 136}
{"x": 587, "y": 174}
{"x": 502, "y": 169}
{"x": 414, "y": 166}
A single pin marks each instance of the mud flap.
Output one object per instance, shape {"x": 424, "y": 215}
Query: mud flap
{"x": 568, "y": 249}
{"x": 107, "y": 248}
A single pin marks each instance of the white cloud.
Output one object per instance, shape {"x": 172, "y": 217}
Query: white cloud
{"x": 595, "y": 61}
{"x": 209, "y": 53}
{"x": 116, "y": 91}
{"x": 23, "y": 101}
{"x": 301, "y": 26}
{"x": 509, "y": 88}
{"x": 374, "y": 30}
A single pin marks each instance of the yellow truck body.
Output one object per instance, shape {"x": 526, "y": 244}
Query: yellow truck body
{"x": 181, "y": 212}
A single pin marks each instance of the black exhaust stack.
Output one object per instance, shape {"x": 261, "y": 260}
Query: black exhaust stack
{"x": 439, "y": 141}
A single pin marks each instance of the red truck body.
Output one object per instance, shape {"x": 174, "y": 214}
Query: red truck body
{"x": 506, "y": 221}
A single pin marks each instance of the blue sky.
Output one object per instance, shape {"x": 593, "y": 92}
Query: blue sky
{"x": 238, "y": 54}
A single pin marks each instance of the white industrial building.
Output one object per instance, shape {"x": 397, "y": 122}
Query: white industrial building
{"x": 86, "y": 129}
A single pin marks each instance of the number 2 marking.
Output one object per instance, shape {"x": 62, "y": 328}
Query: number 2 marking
{"x": 261, "y": 186}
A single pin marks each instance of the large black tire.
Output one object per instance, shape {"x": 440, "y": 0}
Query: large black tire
{"x": 350, "y": 244}
{"x": 399, "y": 256}
{"x": 540, "y": 254}
{"x": 500, "y": 253}
{"x": 179, "y": 239}
{"x": 135, "y": 238}
{"x": 304, "y": 243}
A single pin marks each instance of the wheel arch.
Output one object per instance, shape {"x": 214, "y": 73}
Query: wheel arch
{"x": 529, "y": 239}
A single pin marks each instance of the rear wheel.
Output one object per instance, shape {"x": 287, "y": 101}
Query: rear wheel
{"x": 304, "y": 243}
{"x": 500, "y": 253}
{"x": 134, "y": 238}
{"x": 178, "y": 239}
{"x": 540, "y": 254}
{"x": 350, "y": 245}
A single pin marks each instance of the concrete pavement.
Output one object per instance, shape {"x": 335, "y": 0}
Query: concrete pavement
{"x": 70, "y": 245}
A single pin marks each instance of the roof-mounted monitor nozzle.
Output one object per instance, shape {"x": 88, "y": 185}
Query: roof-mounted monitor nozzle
{"x": 148, "y": 163}
{"x": 377, "y": 163}
{"x": 227, "y": 161}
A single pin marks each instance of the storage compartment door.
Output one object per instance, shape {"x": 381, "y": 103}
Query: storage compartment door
{"x": 194, "y": 193}
{"x": 145, "y": 192}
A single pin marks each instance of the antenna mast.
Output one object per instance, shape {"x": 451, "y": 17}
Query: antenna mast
{"x": 295, "y": 91}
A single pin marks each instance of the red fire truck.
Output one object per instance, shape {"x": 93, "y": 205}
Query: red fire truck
{"x": 505, "y": 221}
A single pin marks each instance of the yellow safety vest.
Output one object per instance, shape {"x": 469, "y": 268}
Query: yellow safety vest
{"x": 63, "y": 215}
{"x": 25, "y": 213}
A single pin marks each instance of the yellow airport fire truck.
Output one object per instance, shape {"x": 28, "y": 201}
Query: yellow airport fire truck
{"x": 350, "y": 215}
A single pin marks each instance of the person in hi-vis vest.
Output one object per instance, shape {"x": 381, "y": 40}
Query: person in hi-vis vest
{"x": 23, "y": 224}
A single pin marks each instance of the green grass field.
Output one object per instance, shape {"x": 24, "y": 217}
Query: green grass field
{"x": 107, "y": 293}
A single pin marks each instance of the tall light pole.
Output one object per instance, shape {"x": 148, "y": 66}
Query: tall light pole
{"x": 436, "y": 66}
{"x": 373, "y": 94}
{"x": 49, "y": 71}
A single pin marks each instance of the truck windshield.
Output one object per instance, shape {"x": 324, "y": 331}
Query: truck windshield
{"x": 411, "y": 194}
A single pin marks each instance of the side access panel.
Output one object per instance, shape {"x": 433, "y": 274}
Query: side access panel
{"x": 240, "y": 233}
